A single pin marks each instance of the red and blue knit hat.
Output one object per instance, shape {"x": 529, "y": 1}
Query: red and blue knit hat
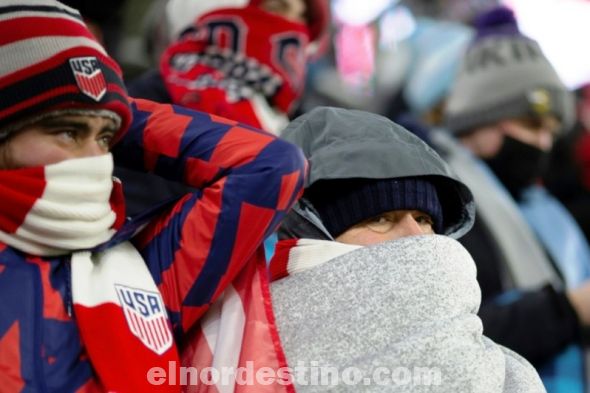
{"x": 51, "y": 62}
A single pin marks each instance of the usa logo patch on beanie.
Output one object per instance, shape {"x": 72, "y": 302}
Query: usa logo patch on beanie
{"x": 53, "y": 63}
{"x": 89, "y": 77}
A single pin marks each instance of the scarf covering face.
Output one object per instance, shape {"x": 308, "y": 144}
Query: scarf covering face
{"x": 241, "y": 53}
{"x": 69, "y": 208}
{"x": 56, "y": 209}
{"x": 518, "y": 165}
{"x": 399, "y": 305}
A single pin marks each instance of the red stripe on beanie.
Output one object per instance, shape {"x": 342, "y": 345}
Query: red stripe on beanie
{"x": 12, "y": 31}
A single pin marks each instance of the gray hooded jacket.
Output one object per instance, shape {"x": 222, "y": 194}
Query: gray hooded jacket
{"x": 346, "y": 144}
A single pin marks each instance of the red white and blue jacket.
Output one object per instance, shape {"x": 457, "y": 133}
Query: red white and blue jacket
{"x": 245, "y": 181}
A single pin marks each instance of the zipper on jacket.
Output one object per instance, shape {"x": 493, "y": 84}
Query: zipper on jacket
{"x": 306, "y": 211}
{"x": 68, "y": 298}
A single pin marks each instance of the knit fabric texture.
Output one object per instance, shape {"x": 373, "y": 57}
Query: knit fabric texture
{"x": 505, "y": 74}
{"x": 52, "y": 62}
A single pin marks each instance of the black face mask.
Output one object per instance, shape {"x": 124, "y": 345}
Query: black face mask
{"x": 518, "y": 165}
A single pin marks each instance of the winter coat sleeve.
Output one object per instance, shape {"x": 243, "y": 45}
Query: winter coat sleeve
{"x": 245, "y": 181}
{"x": 536, "y": 324}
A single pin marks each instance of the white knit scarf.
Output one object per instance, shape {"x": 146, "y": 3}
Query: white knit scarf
{"x": 71, "y": 205}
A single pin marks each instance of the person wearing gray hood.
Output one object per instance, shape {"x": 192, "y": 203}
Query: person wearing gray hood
{"x": 370, "y": 290}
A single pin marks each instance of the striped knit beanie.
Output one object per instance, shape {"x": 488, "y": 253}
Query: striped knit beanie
{"x": 505, "y": 74}
{"x": 51, "y": 62}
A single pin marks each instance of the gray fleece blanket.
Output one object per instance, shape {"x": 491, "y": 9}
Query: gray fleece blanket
{"x": 402, "y": 316}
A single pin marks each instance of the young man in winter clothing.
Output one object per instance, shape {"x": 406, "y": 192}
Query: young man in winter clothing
{"x": 504, "y": 110}
{"x": 92, "y": 302}
{"x": 346, "y": 295}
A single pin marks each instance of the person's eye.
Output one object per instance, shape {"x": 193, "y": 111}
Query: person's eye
{"x": 67, "y": 135}
{"x": 532, "y": 123}
{"x": 379, "y": 220}
{"x": 424, "y": 219}
{"x": 105, "y": 141}
{"x": 380, "y": 224}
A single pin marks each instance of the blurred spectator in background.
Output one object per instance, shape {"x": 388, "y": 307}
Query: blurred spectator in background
{"x": 245, "y": 60}
{"x": 155, "y": 32}
{"x": 104, "y": 19}
{"x": 438, "y": 47}
{"x": 505, "y": 108}
{"x": 368, "y": 59}
{"x": 568, "y": 173}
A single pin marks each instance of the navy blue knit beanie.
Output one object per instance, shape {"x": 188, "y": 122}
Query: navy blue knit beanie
{"x": 344, "y": 203}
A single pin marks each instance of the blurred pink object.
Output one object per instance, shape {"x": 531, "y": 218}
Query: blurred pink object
{"x": 355, "y": 55}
